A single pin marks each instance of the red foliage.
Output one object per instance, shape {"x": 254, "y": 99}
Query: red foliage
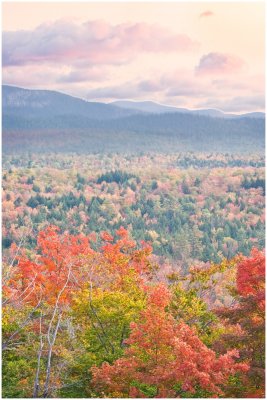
{"x": 164, "y": 353}
{"x": 247, "y": 321}
{"x": 62, "y": 262}
{"x": 251, "y": 276}
{"x": 122, "y": 255}
{"x": 106, "y": 236}
{"x": 55, "y": 267}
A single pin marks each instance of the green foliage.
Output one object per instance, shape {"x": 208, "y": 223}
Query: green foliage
{"x": 149, "y": 391}
{"x": 115, "y": 176}
{"x": 254, "y": 183}
{"x": 106, "y": 320}
{"x": 17, "y": 375}
{"x": 188, "y": 306}
{"x": 198, "y": 394}
{"x": 205, "y": 225}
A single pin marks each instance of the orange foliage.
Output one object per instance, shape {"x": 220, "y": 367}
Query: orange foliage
{"x": 163, "y": 353}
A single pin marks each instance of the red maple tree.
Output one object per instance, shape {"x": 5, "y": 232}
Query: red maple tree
{"x": 165, "y": 356}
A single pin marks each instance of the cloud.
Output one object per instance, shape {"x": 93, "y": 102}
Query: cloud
{"x": 219, "y": 63}
{"x": 188, "y": 87}
{"x": 93, "y": 42}
{"x": 236, "y": 104}
{"x": 32, "y": 76}
{"x": 84, "y": 75}
{"x": 185, "y": 93}
{"x": 150, "y": 85}
{"x": 127, "y": 90}
{"x": 253, "y": 83}
{"x": 207, "y": 13}
{"x": 174, "y": 84}
{"x": 183, "y": 83}
{"x": 182, "y": 87}
{"x": 171, "y": 85}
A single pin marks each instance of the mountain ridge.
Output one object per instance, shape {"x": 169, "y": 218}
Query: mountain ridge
{"x": 131, "y": 106}
{"x": 37, "y": 102}
{"x": 44, "y": 122}
{"x": 158, "y": 108}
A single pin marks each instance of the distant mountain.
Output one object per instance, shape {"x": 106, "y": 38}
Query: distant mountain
{"x": 156, "y": 108}
{"x": 252, "y": 115}
{"x": 48, "y": 121}
{"x": 47, "y": 103}
{"x": 147, "y": 106}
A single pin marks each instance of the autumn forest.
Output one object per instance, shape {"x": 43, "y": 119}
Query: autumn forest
{"x": 133, "y": 199}
{"x": 133, "y": 276}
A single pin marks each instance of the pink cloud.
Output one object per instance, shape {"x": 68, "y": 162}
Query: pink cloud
{"x": 219, "y": 63}
{"x": 176, "y": 85}
{"x": 95, "y": 42}
{"x": 206, "y": 14}
{"x": 183, "y": 87}
{"x": 179, "y": 89}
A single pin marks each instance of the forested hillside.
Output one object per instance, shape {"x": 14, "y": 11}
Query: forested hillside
{"x": 45, "y": 121}
{"x": 189, "y": 207}
{"x": 120, "y": 275}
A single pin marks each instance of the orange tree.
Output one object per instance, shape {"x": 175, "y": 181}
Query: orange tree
{"x": 39, "y": 291}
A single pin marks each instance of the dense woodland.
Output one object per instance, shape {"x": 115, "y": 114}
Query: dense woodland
{"x": 133, "y": 275}
{"x": 189, "y": 207}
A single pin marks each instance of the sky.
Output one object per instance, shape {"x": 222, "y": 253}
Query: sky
{"x": 193, "y": 55}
